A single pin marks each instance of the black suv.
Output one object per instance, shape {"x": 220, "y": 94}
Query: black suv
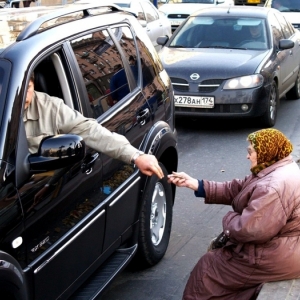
{"x": 72, "y": 218}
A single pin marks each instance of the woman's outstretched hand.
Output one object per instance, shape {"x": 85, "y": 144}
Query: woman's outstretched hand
{"x": 182, "y": 179}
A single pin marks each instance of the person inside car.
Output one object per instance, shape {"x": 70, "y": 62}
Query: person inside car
{"x": 278, "y": 5}
{"x": 257, "y": 33}
{"x": 260, "y": 241}
{"x": 45, "y": 115}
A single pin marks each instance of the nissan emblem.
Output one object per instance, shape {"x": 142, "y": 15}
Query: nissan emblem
{"x": 195, "y": 76}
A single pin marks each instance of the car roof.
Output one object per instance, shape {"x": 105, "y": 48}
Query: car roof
{"x": 239, "y": 11}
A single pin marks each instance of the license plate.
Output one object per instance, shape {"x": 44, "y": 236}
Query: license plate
{"x": 198, "y": 102}
{"x": 254, "y": 1}
{"x": 176, "y": 22}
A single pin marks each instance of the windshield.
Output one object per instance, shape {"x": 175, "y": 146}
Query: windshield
{"x": 191, "y": 1}
{"x": 286, "y": 5}
{"x": 123, "y": 4}
{"x": 220, "y": 32}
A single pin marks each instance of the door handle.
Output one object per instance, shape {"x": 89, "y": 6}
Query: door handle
{"x": 88, "y": 163}
{"x": 142, "y": 116}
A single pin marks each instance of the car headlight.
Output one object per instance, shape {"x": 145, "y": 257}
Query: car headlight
{"x": 245, "y": 82}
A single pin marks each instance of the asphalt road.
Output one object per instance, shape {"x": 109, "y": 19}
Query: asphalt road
{"x": 211, "y": 149}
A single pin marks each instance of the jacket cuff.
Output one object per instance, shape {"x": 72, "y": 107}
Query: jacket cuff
{"x": 200, "y": 192}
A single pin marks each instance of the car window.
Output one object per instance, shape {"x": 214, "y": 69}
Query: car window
{"x": 287, "y": 33}
{"x": 106, "y": 78}
{"x": 151, "y": 13}
{"x": 276, "y": 29}
{"x": 137, "y": 8}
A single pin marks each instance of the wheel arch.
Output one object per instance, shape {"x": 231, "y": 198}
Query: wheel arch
{"x": 161, "y": 141}
{"x": 12, "y": 279}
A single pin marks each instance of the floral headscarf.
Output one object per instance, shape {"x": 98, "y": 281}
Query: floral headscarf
{"x": 270, "y": 145}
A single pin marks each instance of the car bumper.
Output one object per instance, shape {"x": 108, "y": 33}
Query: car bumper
{"x": 229, "y": 104}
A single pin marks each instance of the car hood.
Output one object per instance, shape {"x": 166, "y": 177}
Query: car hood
{"x": 212, "y": 63}
{"x": 183, "y": 8}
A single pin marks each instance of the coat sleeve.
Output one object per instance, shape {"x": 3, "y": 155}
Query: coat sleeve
{"x": 260, "y": 221}
{"x": 94, "y": 134}
{"x": 222, "y": 192}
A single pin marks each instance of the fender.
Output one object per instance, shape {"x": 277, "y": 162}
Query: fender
{"x": 159, "y": 138}
{"x": 12, "y": 278}
{"x": 161, "y": 141}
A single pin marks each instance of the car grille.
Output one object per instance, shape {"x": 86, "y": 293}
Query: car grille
{"x": 296, "y": 25}
{"x": 177, "y": 16}
{"x": 179, "y": 84}
{"x": 208, "y": 86}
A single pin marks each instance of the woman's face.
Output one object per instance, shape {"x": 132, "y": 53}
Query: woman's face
{"x": 252, "y": 155}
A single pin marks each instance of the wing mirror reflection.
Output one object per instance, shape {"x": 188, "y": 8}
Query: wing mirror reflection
{"x": 57, "y": 152}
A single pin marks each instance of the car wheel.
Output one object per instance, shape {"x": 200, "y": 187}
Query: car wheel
{"x": 155, "y": 221}
{"x": 294, "y": 93}
{"x": 269, "y": 117}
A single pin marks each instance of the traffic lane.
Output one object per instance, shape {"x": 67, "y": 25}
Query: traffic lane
{"x": 212, "y": 149}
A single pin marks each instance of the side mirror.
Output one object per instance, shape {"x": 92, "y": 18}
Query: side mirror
{"x": 56, "y": 152}
{"x": 286, "y": 44}
{"x": 162, "y": 40}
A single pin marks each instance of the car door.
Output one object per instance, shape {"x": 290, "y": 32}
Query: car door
{"x": 107, "y": 66}
{"x": 64, "y": 217}
{"x": 282, "y": 56}
{"x": 292, "y": 56}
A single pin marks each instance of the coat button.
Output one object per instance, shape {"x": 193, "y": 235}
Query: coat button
{"x": 227, "y": 232}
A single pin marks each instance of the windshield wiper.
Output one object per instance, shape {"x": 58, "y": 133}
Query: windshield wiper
{"x": 224, "y": 47}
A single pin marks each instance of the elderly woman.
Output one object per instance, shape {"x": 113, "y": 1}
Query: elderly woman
{"x": 261, "y": 239}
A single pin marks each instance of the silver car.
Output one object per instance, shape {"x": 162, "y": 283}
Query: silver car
{"x": 154, "y": 22}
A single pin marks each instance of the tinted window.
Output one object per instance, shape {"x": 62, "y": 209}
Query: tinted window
{"x": 106, "y": 78}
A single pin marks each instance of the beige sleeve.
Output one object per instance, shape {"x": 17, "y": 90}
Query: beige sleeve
{"x": 95, "y": 135}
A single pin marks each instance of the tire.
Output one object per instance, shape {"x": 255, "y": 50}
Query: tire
{"x": 268, "y": 119}
{"x": 294, "y": 92}
{"x": 155, "y": 221}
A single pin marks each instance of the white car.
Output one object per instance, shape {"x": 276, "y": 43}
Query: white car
{"x": 289, "y": 8}
{"x": 178, "y": 10}
{"x": 155, "y": 23}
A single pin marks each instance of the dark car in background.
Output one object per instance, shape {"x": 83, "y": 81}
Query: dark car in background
{"x": 72, "y": 218}
{"x": 218, "y": 68}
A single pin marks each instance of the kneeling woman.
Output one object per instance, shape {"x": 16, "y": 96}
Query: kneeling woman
{"x": 262, "y": 232}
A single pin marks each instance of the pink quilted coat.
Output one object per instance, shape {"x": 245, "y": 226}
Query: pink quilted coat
{"x": 264, "y": 232}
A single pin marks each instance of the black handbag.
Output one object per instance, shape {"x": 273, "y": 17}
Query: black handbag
{"x": 220, "y": 241}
